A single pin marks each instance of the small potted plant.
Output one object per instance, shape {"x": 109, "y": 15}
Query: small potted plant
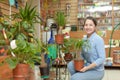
{"x": 78, "y": 45}
{"x": 67, "y": 48}
{"x": 61, "y": 21}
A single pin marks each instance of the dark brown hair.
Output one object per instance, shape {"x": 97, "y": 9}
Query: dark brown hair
{"x": 91, "y": 18}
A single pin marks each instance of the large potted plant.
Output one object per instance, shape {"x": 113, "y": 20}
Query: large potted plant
{"x": 61, "y": 21}
{"x": 23, "y": 55}
{"x": 23, "y": 32}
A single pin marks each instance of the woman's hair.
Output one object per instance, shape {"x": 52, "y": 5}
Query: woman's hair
{"x": 91, "y": 18}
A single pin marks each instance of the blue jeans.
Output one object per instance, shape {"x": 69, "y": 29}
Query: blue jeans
{"x": 88, "y": 75}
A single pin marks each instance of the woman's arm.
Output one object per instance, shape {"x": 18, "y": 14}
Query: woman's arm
{"x": 88, "y": 67}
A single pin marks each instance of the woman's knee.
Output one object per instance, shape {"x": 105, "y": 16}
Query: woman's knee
{"x": 70, "y": 64}
{"x": 75, "y": 77}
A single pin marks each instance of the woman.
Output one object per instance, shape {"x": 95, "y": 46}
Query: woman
{"x": 94, "y": 57}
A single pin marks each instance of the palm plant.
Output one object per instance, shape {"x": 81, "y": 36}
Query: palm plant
{"x": 60, "y": 20}
{"x": 79, "y": 44}
{"x": 26, "y": 19}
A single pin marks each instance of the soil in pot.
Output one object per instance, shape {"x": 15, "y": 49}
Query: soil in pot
{"x": 68, "y": 57}
{"x": 78, "y": 64}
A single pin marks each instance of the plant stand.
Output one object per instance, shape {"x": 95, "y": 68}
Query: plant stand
{"x": 60, "y": 63}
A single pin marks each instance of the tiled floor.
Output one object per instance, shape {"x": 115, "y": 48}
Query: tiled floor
{"x": 110, "y": 74}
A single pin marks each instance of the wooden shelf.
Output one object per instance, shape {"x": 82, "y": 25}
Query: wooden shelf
{"x": 108, "y": 17}
{"x": 114, "y": 66}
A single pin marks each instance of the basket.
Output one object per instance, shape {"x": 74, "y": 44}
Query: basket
{"x": 116, "y": 57}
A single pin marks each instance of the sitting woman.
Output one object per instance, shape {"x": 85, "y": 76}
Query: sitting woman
{"x": 94, "y": 57}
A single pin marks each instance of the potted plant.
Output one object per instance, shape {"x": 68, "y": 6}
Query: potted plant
{"x": 61, "y": 21}
{"x": 22, "y": 30}
{"x": 67, "y": 48}
{"x": 78, "y": 45}
{"x": 24, "y": 55}
{"x": 44, "y": 68}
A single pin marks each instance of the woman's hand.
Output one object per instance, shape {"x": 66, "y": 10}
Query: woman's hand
{"x": 84, "y": 69}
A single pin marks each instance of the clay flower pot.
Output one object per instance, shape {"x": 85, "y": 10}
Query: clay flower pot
{"x": 21, "y": 72}
{"x": 78, "y": 64}
{"x": 59, "y": 38}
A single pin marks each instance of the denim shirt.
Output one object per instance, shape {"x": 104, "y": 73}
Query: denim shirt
{"x": 96, "y": 52}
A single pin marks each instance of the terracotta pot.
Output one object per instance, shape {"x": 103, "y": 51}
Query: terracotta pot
{"x": 59, "y": 38}
{"x": 5, "y": 71}
{"x": 78, "y": 64}
{"x": 68, "y": 57}
{"x": 21, "y": 72}
{"x": 32, "y": 74}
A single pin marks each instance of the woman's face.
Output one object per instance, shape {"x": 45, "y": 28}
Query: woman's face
{"x": 89, "y": 27}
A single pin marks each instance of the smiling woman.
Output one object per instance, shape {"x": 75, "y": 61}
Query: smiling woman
{"x": 94, "y": 57}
